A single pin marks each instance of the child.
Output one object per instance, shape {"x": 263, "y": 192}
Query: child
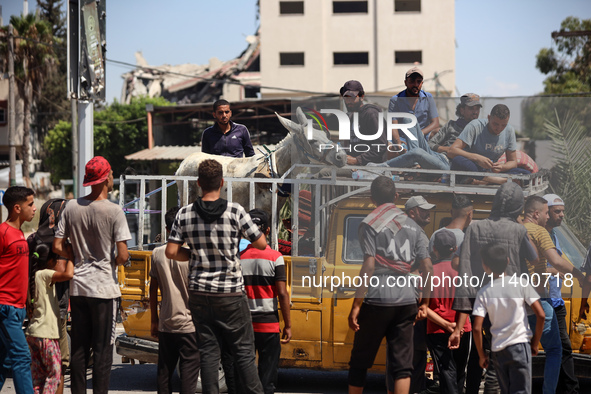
{"x": 504, "y": 301}
{"x": 441, "y": 322}
{"x": 43, "y": 330}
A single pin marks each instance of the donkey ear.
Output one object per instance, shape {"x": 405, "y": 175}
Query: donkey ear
{"x": 290, "y": 125}
{"x": 301, "y": 117}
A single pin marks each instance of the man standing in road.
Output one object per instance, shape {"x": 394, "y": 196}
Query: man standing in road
{"x": 95, "y": 227}
{"x": 391, "y": 242}
{"x": 225, "y": 137}
{"x": 14, "y": 280}
{"x": 418, "y": 209}
{"x": 173, "y": 326}
{"x": 414, "y": 100}
{"x": 535, "y": 217}
{"x": 212, "y": 228}
{"x": 567, "y": 381}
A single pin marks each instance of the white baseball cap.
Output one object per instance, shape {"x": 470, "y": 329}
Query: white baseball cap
{"x": 553, "y": 199}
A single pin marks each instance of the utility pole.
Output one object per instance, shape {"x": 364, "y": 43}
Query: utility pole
{"x": 11, "y": 105}
{"x": 575, "y": 33}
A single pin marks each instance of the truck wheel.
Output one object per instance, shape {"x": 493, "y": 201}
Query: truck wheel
{"x": 221, "y": 381}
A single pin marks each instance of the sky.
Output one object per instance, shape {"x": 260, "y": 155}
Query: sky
{"x": 497, "y": 40}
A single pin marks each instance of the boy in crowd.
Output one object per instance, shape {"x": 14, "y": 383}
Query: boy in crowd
{"x": 265, "y": 282}
{"x": 504, "y": 302}
{"x": 441, "y": 322}
{"x": 14, "y": 281}
{"x": 173, "y": 326}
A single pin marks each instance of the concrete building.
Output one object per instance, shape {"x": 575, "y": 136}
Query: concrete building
{"x": 316, "y": 45}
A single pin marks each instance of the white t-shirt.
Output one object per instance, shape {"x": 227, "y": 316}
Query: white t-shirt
{"x": 94, "y": 227}
{"x": 505, "y": 304}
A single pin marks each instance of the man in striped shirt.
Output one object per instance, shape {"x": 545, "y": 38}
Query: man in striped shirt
{"x": 265, "y": 282}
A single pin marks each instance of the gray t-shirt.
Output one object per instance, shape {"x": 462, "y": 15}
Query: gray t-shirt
{"x": 173, "y": 280}
{"x": 93, "y": 228}
{"x": 409, "y": 244}
{"x": 481, "y": 141}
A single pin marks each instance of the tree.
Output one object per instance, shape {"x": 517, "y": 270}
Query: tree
{"x": 34, "y": 59}
{"x": 119, "y": 130}
{"x": 53, "y": 104}
{"x": 570, "y": 176}
{"x": 567, "y": 67}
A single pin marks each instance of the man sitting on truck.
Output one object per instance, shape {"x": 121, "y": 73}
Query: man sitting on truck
{"x": 212, "y": 227}
{"x": 173, "y": 326}
{"x": 483, "y": 142}
{"x": 391, "y": 242}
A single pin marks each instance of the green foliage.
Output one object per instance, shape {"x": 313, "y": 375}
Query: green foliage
{"x": 570, "y": 176}
{"x": 567, "y": 67}
{"x": 537, "y": 111}
{"x": 58, "y": 148}
{"x": 119, "y": 130}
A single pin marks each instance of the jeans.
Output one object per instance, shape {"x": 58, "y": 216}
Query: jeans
{"x": 219, "y": 319}
{"x": 14, "y": 350}
{"x": 181, "y": 348}
{"x": 552, "y": 346}
{"x": 268, "y": 346}
{"x": 421, "y": 156}
{"x": 93, "y": 327}
{"x": 460, "y": 163}
{"x": 451, "y": 364}
{"x": 567, "y": 382}
{"x": 513, "y": 366}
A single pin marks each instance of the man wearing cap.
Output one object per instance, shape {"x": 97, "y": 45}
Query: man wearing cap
{"x": 265, "y": 282}
{"x": 467, "y": 110}
{"x": 369, "y": 122}
{"x": 418, "y": 209}
{"x": 416, "y": 101}
{"x": 482, "y": 143}
{"x": 95, "y": 227}
{"x": 535, "y": 217}
{"x": 567, "y": 381}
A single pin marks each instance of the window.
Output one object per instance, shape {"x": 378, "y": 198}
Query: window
{"x": 407, "y": 5}
{"x": 291, "y": 58}
{"x": 409, "y": 57}
{"x": 350, "y": 58}
{"x": 347, "y": 7}
{"x": 352, "y": 252}
{"x": 2, "y": 116}
{"x": 291, "y": 7}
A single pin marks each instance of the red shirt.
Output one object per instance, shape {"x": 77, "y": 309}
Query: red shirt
{"x": 442, "y": 297}
{"x": 14, "y": 266}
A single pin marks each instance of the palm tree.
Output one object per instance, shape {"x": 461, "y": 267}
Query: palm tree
{"x": 570, "y": 176}
{"x": 34, "y": 60}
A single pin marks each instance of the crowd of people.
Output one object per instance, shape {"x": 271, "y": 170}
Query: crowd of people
{"x": 220, "y": 302}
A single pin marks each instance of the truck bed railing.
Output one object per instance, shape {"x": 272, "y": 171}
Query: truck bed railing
{"x": 326, "y": 192}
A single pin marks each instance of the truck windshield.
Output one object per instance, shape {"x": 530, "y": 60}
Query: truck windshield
{"x": 570, "y": 245}
{"x": 352, "y": 253}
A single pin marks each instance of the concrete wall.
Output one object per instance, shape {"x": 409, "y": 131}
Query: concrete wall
{"x": 319, "y": 33}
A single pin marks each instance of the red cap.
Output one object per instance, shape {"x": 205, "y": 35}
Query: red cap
{"x": 97, "y": 171}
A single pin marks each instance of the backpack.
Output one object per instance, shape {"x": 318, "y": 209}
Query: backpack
{"x": 40, "y": 241}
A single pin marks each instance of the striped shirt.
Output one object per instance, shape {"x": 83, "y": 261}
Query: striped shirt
{"x": 261, "y": 270}
{"x": 540, "y": 237}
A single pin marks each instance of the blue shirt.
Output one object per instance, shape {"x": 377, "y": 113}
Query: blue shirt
{"x": 481, "y": 141}
{"x": 555, "y": 284}
{"x": 425, "y": 110}
{"x": 235, "y": 143}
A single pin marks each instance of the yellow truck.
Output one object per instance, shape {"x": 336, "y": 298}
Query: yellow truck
{"x": 320, "y": 283}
